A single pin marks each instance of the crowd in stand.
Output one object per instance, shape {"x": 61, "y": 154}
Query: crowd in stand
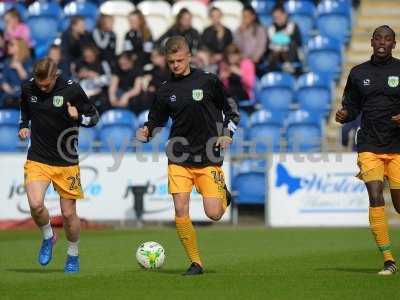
{"x": 130, "y": 79}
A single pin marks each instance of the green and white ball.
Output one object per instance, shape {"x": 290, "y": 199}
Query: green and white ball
{"x": 150, "y": 255}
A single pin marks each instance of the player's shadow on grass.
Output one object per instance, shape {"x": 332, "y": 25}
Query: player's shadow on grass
{"x": 350, "y": 270}
{"x": 44, "y": 271}
{"x": 181, "y": 271}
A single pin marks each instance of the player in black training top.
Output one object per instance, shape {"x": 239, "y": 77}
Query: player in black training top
{"x": 196, "y": 102}
{"x": 373, "y": 90}
{"x": 52, "y": 110}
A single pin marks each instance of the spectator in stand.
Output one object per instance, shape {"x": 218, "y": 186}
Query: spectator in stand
{"x": 242, "y": 67}
{"x": 126, "y": 85}
{"x": 74, "y": 40}
{"x": 154, "y": 76}
{"x": 183, "y": 27}
{"x": 17, "y": 68}
{"x": 216, "y": 37}
{"x": 138, "y": 40}
{"x": 203, "y": 59}
{"x": 105, "y": 39}
{"x": 3, "y": 56}
{"x": 94, "y": 76}
{"x": 238, "y": 77}
{"x": 251, "y": 36}
{"x": 15, "y": 28}
{"x": 283, "y": 43}
{"x": 56, "y": 55}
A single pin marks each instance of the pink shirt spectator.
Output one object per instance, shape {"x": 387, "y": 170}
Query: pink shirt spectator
{"x": 248, "y": 73}
{"x": 21, "y": 31}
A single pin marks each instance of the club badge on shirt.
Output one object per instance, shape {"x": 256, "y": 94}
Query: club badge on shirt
{"x": 58, "y": 101}
{"x": 393, "y": 81}
{"x": 197, "y": 95}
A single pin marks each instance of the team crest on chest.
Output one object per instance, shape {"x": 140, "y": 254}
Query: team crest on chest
{"x": 58, "y": 101}
{"x": 393, "y": 81}
{"x": 197, "y": 95}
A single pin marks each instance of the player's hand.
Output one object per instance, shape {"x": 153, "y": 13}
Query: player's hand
{"x": 142, "y": 134}
{"x": 72, "y": 111}
{"x": 341, "y": 115}
{"x": 24, "y": 133}
{"x": 223, "y": 141}
{"x": 396, "y": 119}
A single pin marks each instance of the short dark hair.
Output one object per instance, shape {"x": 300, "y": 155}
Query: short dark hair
{"x": 44, "y": 68}
{"x": 176, "y": 43}
{"x": 279, "y": 7}
{"x": 385, "y": 27}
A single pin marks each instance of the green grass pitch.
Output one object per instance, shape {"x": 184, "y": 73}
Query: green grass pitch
{"x": 241, "y": 263}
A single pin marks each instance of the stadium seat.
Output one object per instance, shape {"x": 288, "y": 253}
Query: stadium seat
{"x": 266, "y": 20}
{"x": 263, "y": 7}
{"x": 9, "y": 127}
{"x": 158, "y": 16}
{"x": 239, "y": 144}
{"x": 324, "y": 56}
{"x": 334, "y": 20}
{"x": 87, "y": 139}
{"x": 303, "y": 14}
{"x": 122, "y": 117}
{"x": 119, "y": 9}
{"x": 303, "y": 132}
{"x": 116, "y": 138}
{"x": 244, "y": 119}
{"x": 277, "y": 91}
{"x": 198, "y": 10}
{"x": 232, "y": 12}
{"x": 156, "y": 144}
{"x": 264, "y": 137}
{"x": 264, "y": 116}
{"x": 250, "y": 188}
{"x": 43, "y": 21}
{"x": 314, "y": 93}
{"x": 86, "y": 9}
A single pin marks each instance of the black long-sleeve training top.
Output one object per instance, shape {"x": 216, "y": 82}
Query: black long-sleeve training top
{"x": 373, "y": 89}
{"x": 200, "y": 112}
{"x": 53, "y": 133}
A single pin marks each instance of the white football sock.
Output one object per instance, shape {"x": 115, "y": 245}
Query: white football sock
{"x": 73, "y": 248}
{"x": 47, "y": 231}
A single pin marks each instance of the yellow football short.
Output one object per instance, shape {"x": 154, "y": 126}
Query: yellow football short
{"x": 209, "y": 181}
{"x": 66, "y": 180}
{"x": 375, "y": 167}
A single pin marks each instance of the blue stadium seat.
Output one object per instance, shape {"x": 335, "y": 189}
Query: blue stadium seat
{"x": 263, "y": 7}
{"x": 334, "y": 20}
{"x": 324, "y": 56}
{"x": 118, "y": 117}
{"x": 303, "y": 132}
{"x": 87, "y": 139}
{"x": 44, "y": 30}
{"x": 277, "y": 91}
{"x": 266, "y": 20}
{"x": 156, "y": 144}
{"x": 238, "y": 145}
{"x": 250, "y": 188}
{"x": 116, "y": 129}
{"x": 86, "y": 9}
{"x": 9, "y": 127}
{"x": 266, "y": 116}
{"x": 116, "y": 138}
{"x": 303, "y": 14}
{"x": 265, "y": 138}
{"x": 45, "y": 9}
{"x": 244, "y": 119}
{"x": 314, "y": 93}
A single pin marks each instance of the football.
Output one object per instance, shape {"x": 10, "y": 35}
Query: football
{"x": 150, "y": 255}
